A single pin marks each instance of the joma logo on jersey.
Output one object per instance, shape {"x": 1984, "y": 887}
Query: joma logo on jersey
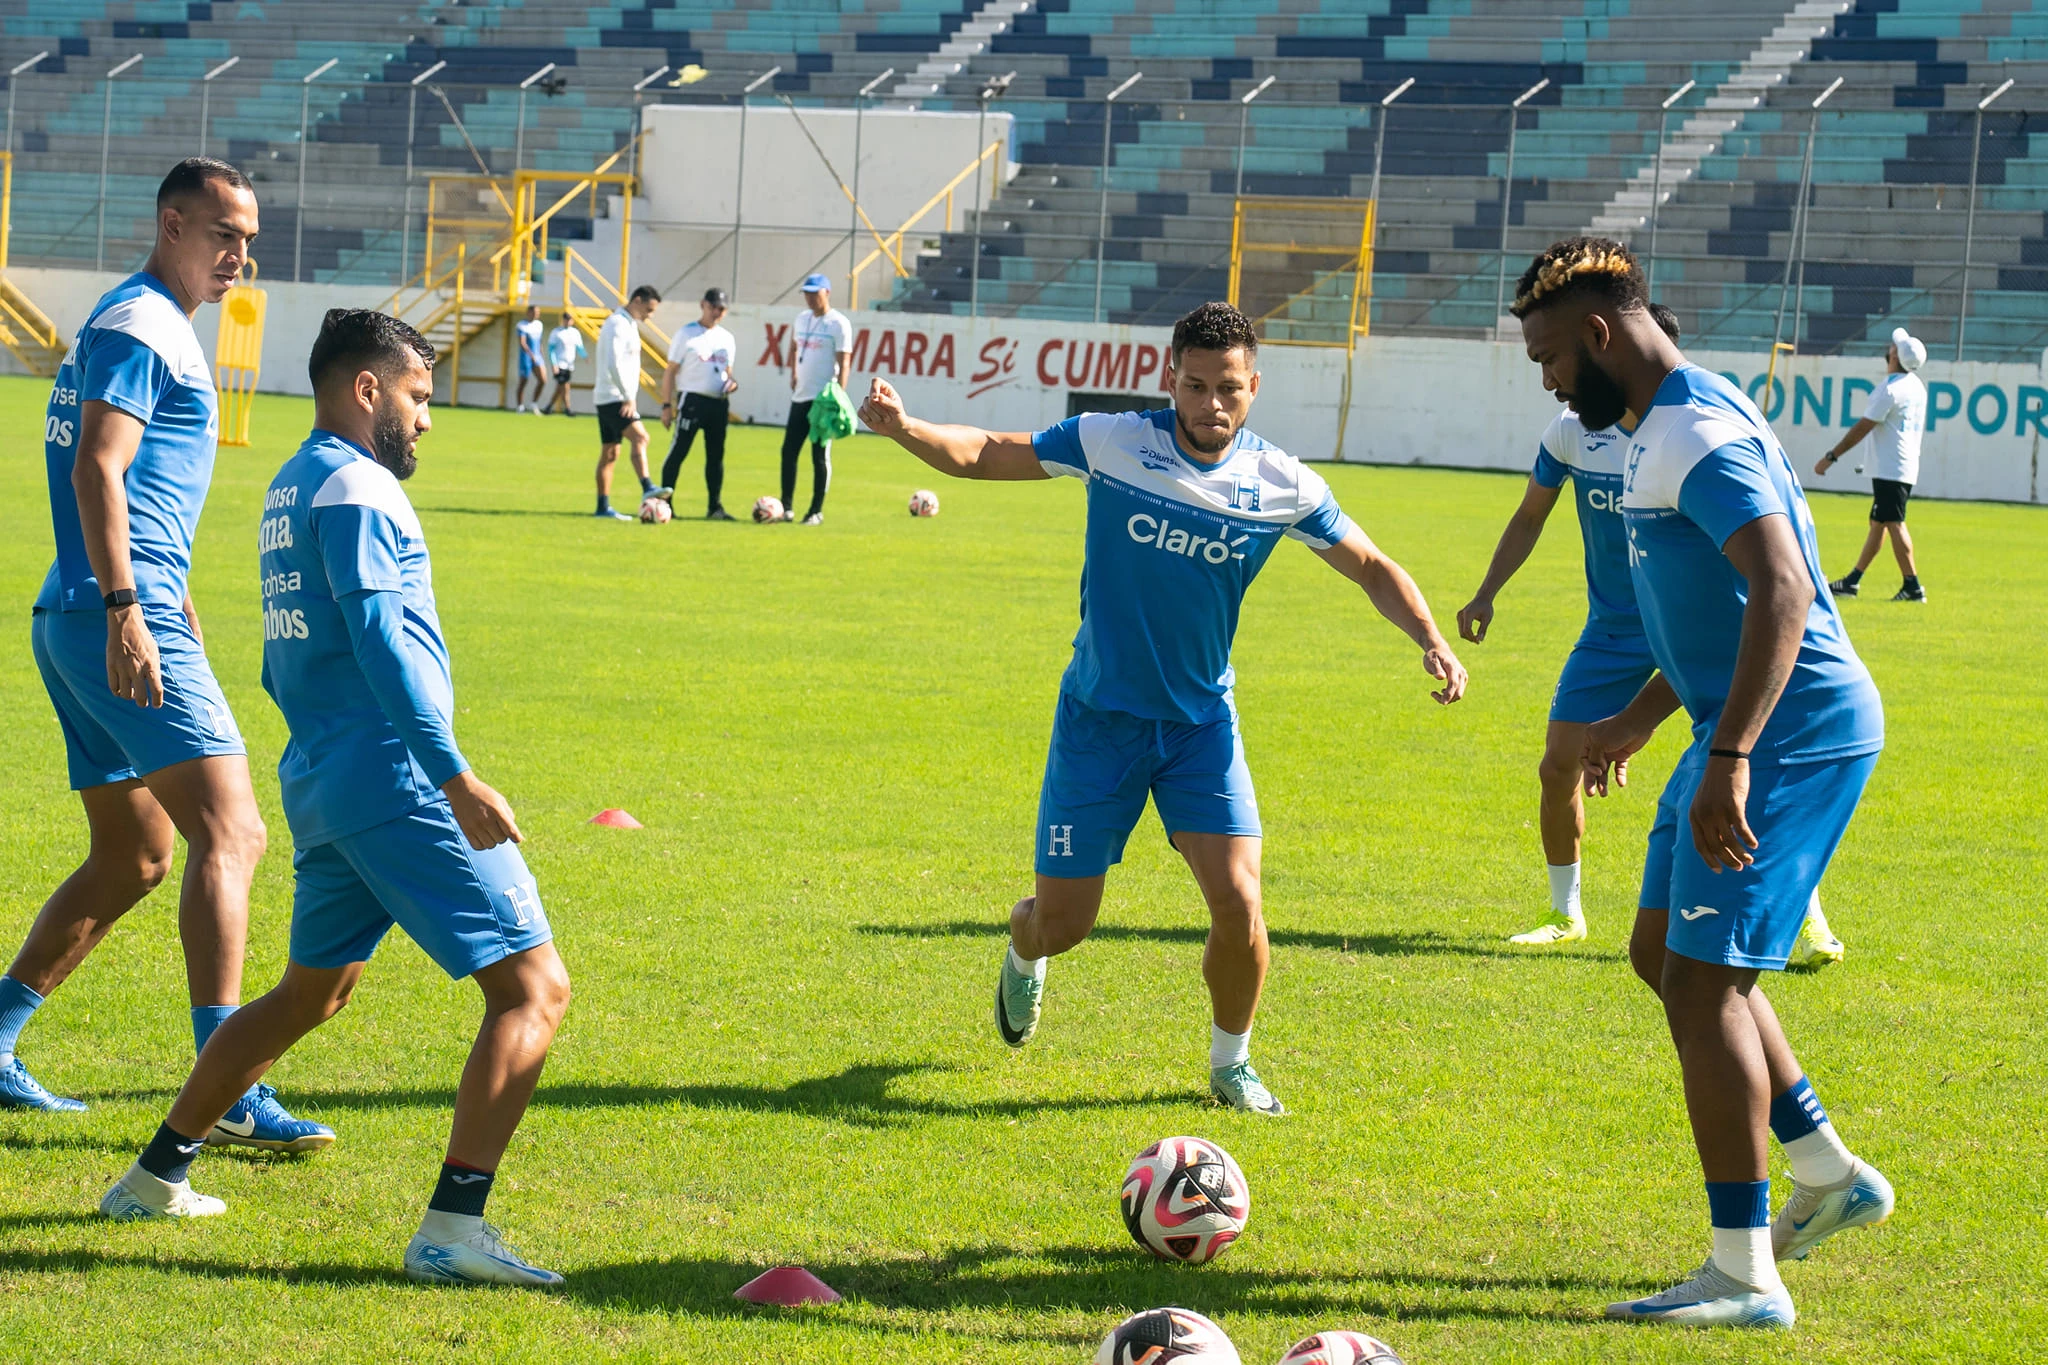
{"x": 1164, "y": 535}
{"x": 1153, "y": 459}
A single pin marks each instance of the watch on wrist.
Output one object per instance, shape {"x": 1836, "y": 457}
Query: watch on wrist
{"x": 119, "y": 597}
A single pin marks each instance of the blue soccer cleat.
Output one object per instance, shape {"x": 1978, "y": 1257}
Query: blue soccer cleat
{"x": 1814, "y": 1214}
{"x": 478, "y": 1257}
{"x": 1712, "y": 1298}
{"x": 259, "y": 1121}
{"x": 19, "y": 1090}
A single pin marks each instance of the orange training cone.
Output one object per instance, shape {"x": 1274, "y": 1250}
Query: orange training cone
{"x": 786, "y": 1286}
{"x": 615, "y": 819}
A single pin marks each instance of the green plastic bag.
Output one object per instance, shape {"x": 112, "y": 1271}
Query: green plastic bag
{"x": 831, "y": 415}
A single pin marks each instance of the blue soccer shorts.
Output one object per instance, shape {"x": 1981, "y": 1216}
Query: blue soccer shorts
{"x": 1103, "y": 764}
{"x": 1602, "y": 675}
{"x": 109, "y": 738}
{"x": 465, "y": 907}
{"x": 1798, "y": 812}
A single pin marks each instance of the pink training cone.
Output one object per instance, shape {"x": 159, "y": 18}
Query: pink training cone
{"x": 615, "y": 819}
{"x": 786, "y": 1286}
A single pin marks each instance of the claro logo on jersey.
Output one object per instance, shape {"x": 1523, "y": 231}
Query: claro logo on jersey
{"x": 1162, "y": 534}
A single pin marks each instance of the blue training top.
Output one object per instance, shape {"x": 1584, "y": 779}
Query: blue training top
{"x": 1702, "y": 465}
{"x": 352, "y": 650}
{"x": 1172, "y": 546}
{"x": 1592, "y": 460}
{"x": 136, "y": 352}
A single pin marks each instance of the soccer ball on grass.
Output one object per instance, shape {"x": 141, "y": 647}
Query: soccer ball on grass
{"x": 1340, "y": 1348}
{"x": 1160, "y": 1336}
{"x": 655, "y": 511}
{"x": 767, "y": 508}
{"x": 924, "y": 503}
{"x": 1185, "y": 1200}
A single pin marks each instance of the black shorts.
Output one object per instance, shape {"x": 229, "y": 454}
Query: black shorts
{"x": 1888, "y": 499}
{"x": 562, "y": 377}
{"x": 611, "y": 424}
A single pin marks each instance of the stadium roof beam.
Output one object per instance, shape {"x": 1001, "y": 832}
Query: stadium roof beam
{"x": 299, "y": 209}
{"x": 99, "y": 252}
{"x": 1102, "y": 206}
{"x": 519, "y": 137}
{"x": 206, "y": 98}
{"x": 1970, "y": 223}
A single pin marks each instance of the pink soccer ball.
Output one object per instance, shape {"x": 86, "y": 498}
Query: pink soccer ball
{"x": 1185, "y": 1200}
{"x": 924, "y": 503}
{"x": 1340, "y": 1348}
{"x": 767, "y": 508}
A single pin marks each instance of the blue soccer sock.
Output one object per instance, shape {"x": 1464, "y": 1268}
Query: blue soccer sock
{"x": 169, "y": 1154}
{"x": 205, "y": 1019}
{"x": 17, "y": 1004}
{"x": 1741, "y": 1214}
{"x": 461, "y": 1190}
{"x": 1818, "y": 1154}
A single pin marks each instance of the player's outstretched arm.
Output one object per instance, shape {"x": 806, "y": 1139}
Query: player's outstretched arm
{"x": 963, "y": 452}
{"x": 1517, "y": 542}
{"x": 1396, "y": 597}
{"x": 1612, "y": 742}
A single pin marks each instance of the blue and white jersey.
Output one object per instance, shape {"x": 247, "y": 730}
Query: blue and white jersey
{"x": 1593, "y": 460}
{"x": 1702, "y": 465}
{"x": 1172, "y": 546}
{"x": 352, "y": 650}
{"x": 136, "y": 352}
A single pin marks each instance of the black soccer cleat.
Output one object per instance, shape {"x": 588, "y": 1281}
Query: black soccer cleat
{"x": 1842, "y": 587}
{"x": 1910, "y": 595}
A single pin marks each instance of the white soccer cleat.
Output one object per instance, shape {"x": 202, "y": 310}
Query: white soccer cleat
{"x": 479, "y": 1258}
{"x": 1712, "y": 1298}
{"x": 1814, "y": 1214}
{"x": 138, "y": 1195}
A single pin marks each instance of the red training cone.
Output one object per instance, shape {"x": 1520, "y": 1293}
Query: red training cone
{"x": 786, "y": 1286}
{"x": 614, "y": 819}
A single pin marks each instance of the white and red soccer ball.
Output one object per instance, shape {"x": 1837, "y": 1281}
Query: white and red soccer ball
{"x": 768, "y": 508}
{"x": 1185, "y": 1200}
{"x": 1340, "y": 1348}
{"x": 1162, "y": 1336}
{"x": 655, "y": 511}
{"x": 924, "y": 503}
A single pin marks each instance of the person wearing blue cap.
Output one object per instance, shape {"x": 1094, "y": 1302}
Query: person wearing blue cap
{"x": 821, "y": 354}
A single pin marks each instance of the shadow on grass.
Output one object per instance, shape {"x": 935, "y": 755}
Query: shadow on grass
{"x": 66, "y": 1219}
{"x": 501, "y": 512}
{"x": 72, "y": 1142}
{"x": 858, "y": 1095}
{"x": 322, "y": 1273}
{"x": 1367, "y": 944}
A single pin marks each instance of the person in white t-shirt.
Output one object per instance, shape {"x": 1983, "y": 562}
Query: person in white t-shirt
{"x": 565, "y": 343}
{"x": 1892, "y": 422}
{"x": 526, "y": 336}
{"x": 695, "y": 393}
{"x": 821, "y": 345}
{"x": 616, "y": 393}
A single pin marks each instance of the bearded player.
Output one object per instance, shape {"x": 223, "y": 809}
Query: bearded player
{"x": 1787, "y": 727}
{"x": 1184, "y": 508}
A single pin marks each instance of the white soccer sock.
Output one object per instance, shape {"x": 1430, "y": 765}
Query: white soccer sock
{"x": 1228, "y": 1049}
{"x": 1564, "y": 889}
{"x": 1821, "y": 1158}
{"x": 1744, "y": 1255}
{"x": 446, "y": 1229}
{"x": 1027, "y": 966}
{"x": 1813, "y": 913}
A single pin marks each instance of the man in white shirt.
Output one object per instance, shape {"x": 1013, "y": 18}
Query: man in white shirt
{"x": 1893, "y": 421}
{"x": 616, "y": 395}
{"x": 526, "y": 336}
{"x": 565, "y": 343}
{"x": 821, "y": 345}
{"x": 695, "y": 393}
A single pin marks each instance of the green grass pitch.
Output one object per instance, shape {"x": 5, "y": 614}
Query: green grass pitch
{"x": 780, "y": 1048}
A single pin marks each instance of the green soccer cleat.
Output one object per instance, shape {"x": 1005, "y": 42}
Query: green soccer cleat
{"x": 1017, "y": 1003}
{"x": 1816, "y": 946}
{"x": 1239, "y": 1087}
{"x": 1555, "y": 928}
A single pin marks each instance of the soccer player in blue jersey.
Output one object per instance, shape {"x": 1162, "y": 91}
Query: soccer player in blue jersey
{"x": 389, "y": 822}
{"x": 151, "y": 744}
{"x": 1786, "y": 730}
{"x": 1610, "y": 661}
{"x": 1184, "y": 508}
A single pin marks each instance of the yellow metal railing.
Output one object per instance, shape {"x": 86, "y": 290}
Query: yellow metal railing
{"x": 24, "y": 328}
{"x": 890, "y": 248}
{"x": 1309, "y": 237}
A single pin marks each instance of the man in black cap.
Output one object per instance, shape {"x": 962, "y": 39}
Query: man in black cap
{"x": 694, "y": 393}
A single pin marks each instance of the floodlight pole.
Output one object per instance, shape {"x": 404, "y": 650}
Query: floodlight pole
{"x": 739, "y": 179}
{"x": 1801, "y": 218}
{"x": 860, "y": 107}
{"x": 1657, "y": 176}
{"x": 1102, "y": 209}
{"x": 412, "y": 113}
{"x": 1970, "y": 223}
{"x": 1244, "y": 116}
{"x": 99, "y": 252}
{"x": 1379, "y": 153}
{"x": 640, "y": 116}
{"x": 1507, "y": 194}
{"x": 519, "y": 137}
{"x": 206, "y": 99}
{"x": 992, "y": 91}
{"x": 305, "y": 106}
{"x": 12, "y": 76}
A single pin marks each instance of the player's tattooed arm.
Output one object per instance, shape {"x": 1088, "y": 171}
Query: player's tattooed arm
{"x": 1612, "y": 742}
{"x": 107, "y": 441}
{"x": 963, "y": 452}
{"x": 1517, "y": 542}
{"x": 1395, "y": 596}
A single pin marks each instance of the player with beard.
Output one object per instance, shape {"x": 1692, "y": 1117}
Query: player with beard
{"x": 389, "y": 822}
{"x": 1787, "y": 727}
{"x": 1184, "y": 508}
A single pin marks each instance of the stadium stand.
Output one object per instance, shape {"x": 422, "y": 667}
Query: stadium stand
{"x": 1889, "y": 195}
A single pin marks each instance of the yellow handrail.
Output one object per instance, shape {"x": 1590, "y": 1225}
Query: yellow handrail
{"x": 895, "y": 257}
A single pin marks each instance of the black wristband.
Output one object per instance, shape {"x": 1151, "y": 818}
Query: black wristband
{"x": 1740, "y": 756}
{"x": 119, "y": 597}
